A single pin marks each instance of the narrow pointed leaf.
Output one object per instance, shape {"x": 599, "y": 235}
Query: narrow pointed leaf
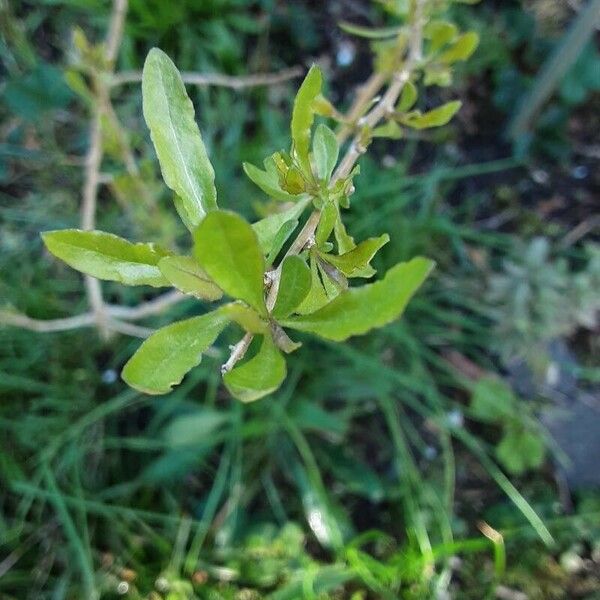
{"x": 317, "y": 296}
{"x": 168, "y": 354}
{"x": 357, "y": 310}
{"x": 303, "y": 116}
{"x": 294, "y": 285}
{"x": 329, "y": 215}
{"x": 227, "y": 248}
{"x": 345, "y": 241}
{"x": 186, "y": 275}
{"x": 258, "y": 377}
{"x": 434, "y": 118}
{"x": 371, "y": 33}
{"x": 268, "y": 182}
{"x": 284, "y": 233}
{"x": 107, "y": 256}
{"x": 356, "y": 262}
{"x": 169, "y": 114}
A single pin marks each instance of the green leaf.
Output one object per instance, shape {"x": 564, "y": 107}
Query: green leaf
{"x": 439, "y": 33}
{"x": 390, "y": 130}
{"x": 294, "y": 285}
{"x": 492, "y": 400}
{"x": 345, "y": 241}
{"x": 285, "y": 231}
{"x": 408, "y": 97}
{"x": 227, "y": 248}
{"x": 186, "y": 275}
{"x": 107, "y": 256}
{"x": 520, "y": 450}
{"x": 462, "y": 49}
{"x": 168, "y": 354}
{"x": 268, "y": 182}
{"x": 334, "y": 281}
{"x": 370, "y": 33}
{"x": 268, "y": 229}
{"x": 434, "y": 118}
{"x": 196, "y": 427}
{"x": 259, "y": 376}
{"x": 329, "y": 215}
{"x": 356, "y": 263}
{"x": 325, "y": 151}
{"x": 303, "y": 116}
{"x": 436, "y": 74}
{"x": 169, "y": 114}
{"x": 317, "y": 296}
{"x": 357, "y": 310}
{"x": 247, "y": 318}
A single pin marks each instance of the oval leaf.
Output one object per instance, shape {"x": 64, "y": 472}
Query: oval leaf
{"x": 325, "y": 151}
{"x": 169, "y": 114}
{"x": 258, "y": 377}
{"x": 168, "y": 354}
{"x": 107, "y": 256}
{"x": 357, "y": 310}
{"x": 227, "y": 248}
{"x": 294, "y": 285}
{"x": 186, "y": 275}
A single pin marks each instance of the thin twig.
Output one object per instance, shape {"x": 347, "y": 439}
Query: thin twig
{"x": 88, "y": 319}
{"x": 216, "y": 79}
{"x": 146, "y": 309}
{"x": 94, "y": 155}
{"x": 237, "y": 353}
{"x": 15, "y": 319}
{"x": 115, "y": 31}
{"x": 116, "y": 316}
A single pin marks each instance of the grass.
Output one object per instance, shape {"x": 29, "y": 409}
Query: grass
{"x": 356, "y": 424}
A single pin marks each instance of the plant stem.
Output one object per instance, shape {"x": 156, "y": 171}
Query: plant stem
{"x": 204, "y": 79}
{"x": 94, "y": 155}
{"x": 237, "y": 353}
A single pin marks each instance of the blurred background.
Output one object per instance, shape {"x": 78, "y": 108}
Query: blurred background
{"x": 453, "y": 454}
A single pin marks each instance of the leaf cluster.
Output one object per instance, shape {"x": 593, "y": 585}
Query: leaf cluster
{"x": 308, "y": 291}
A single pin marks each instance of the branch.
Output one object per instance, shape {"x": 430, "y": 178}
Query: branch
{"x": 15, "y": 319}
{"x": 237, "y": 353}
{"x": 228, "y": 81}
{"x": 115, "y": 31}
{"x": 88, "y": 319}
{"x": 94, "y": 155}
{"x": 115, "y": 317}
{"x": 146, "y": 309}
